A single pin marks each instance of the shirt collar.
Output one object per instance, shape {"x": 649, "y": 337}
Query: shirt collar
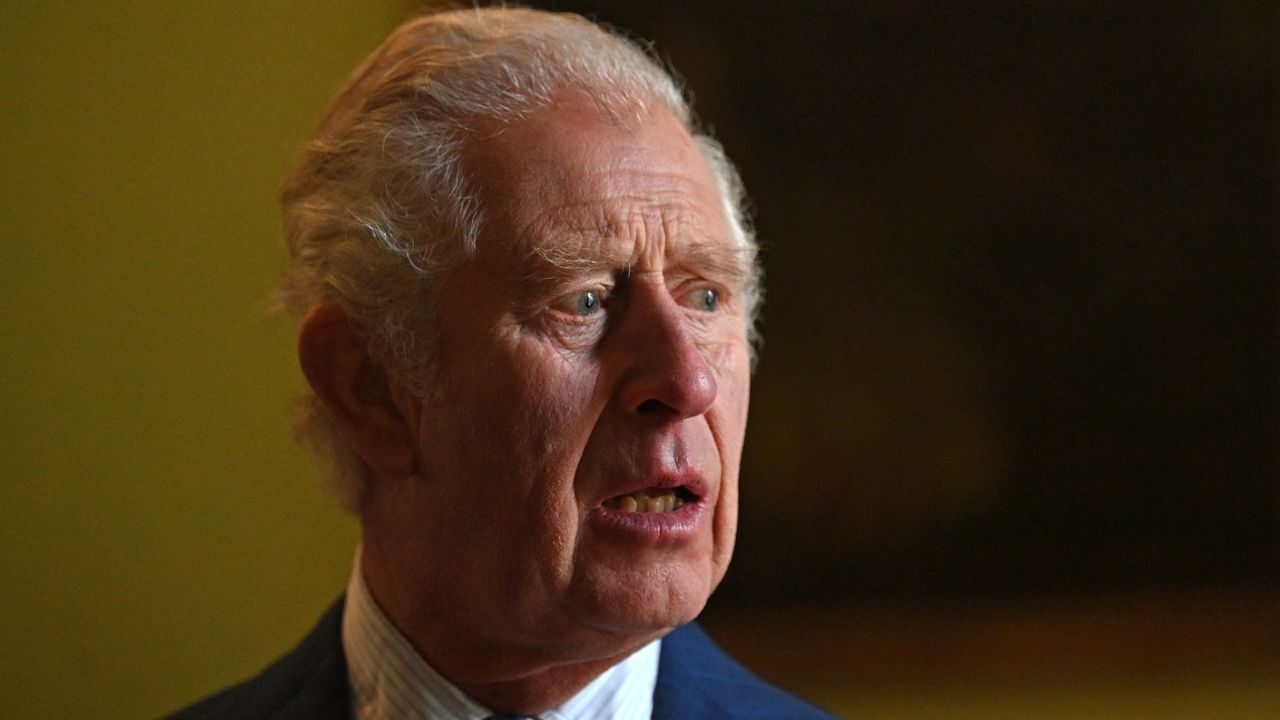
{"x": 389, "y": 679}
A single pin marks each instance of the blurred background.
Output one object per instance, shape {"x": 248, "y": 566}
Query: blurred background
{"x": 1013, "y": 440}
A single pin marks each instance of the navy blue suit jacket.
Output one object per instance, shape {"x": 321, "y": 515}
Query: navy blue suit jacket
{"x": 696, "y": 680}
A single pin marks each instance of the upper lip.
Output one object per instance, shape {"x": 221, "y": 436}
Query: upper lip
{"x": 692, "y": 481}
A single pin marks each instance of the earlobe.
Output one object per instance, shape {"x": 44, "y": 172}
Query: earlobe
{"x": 355, "y": 390}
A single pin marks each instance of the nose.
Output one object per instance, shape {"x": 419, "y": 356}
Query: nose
{"x": 666, "y": 373}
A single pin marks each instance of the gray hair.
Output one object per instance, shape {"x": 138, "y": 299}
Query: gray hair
{"x": 379, "y": 205}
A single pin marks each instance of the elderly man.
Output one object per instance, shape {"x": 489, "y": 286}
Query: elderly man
{"x": 527, "y": 295}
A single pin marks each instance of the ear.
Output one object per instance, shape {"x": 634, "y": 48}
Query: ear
{"x": 355, "y": 390}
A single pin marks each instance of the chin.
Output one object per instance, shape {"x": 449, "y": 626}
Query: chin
{"x": 648, "y": 602}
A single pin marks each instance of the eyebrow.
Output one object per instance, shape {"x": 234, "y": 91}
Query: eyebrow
{"x": 727, "y": 263}
{"x": 567, "y": 261}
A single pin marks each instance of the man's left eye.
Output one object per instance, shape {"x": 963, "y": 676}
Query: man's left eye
{"x": 704, "y": 299}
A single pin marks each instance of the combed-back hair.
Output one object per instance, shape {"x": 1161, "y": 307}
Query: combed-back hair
{"x": 379, "y": 205}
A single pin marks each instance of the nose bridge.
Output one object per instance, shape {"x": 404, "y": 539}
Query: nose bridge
{"x": 666, "y": 370}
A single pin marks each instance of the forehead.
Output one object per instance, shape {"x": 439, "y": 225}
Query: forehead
{"x": 567, "y": 183}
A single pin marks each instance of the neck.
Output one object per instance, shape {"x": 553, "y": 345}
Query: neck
{"x": 507, "y": 677}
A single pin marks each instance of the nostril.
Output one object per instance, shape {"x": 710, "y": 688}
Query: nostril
{"x": 648, "y": 407}
{"x": 680, "y": 394}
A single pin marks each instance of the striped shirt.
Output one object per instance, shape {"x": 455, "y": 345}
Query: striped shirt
{"x": 391, "y": 681}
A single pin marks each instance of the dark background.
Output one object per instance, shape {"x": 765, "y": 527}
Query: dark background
{"x": 1020, "y": 328}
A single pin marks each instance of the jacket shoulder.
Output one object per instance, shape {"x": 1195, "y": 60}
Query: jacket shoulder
{"x": 309, "y": 682}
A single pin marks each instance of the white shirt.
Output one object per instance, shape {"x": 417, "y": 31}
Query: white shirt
{"x": 391, "y": 681}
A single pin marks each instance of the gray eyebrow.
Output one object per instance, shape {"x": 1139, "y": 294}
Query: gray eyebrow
{"x": 568, "y": 260}
{"x": 727, "y": 262}
{"x": 571, "y": 260}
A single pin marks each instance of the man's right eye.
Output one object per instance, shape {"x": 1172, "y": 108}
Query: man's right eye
{"x": 583, "y": 304}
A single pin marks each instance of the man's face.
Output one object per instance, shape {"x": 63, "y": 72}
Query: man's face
{"x": 578, "y": 467}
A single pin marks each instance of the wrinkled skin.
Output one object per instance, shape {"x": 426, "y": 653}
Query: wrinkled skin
{"x": 595, "y": 341}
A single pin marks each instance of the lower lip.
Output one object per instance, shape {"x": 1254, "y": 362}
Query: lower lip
{"x": 652, "y": 528}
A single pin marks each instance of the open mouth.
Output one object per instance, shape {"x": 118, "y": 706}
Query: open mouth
{"x": 651, "y": 500}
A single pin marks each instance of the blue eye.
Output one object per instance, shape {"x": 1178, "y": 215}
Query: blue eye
{"x": 706, "y": 299}
{"x": 586, "y": 303}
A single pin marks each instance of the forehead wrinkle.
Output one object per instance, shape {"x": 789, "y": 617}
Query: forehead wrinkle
{"x": 613, "y": 213}
{"x": 590, "y": 238}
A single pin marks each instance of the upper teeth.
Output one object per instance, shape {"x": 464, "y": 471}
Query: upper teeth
{"x": 641, "y": 502}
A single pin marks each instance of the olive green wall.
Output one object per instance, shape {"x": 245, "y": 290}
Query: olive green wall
{"x": 162, "y": 535}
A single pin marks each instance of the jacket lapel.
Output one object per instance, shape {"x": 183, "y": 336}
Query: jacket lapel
{"x": 691, "y": 680}
{"x": 324, "y": 693}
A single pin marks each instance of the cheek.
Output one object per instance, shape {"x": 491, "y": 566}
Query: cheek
{"x": 519, "y": 444}
{"x": 546, "y": 403}
{"x": 731, "y": 363}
